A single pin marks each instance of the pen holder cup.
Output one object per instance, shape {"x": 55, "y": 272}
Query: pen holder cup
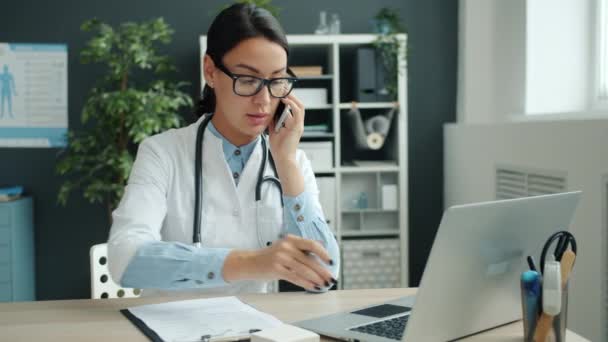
{"x": 557, "y": 331}
{"x": 558, "y": 328}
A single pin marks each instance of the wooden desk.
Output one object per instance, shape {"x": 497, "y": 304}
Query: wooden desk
{"x": 99, "y": 320}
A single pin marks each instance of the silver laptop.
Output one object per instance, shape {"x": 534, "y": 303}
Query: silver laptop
{"x": 471, "y": 280}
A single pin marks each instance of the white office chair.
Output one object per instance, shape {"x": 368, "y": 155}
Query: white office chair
{"x": 102, "y": 285}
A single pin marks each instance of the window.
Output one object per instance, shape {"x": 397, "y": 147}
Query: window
{"x": 601, "y": 74}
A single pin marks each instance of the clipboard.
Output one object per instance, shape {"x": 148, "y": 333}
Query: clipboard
{"x": 142, "y": 326}
{"x": 219, "y": 318}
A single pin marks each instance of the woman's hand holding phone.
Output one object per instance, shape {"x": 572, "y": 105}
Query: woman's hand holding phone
{"x": 286, "y": 130}
{"x": 281, "y": 119}
{"x": 284, "y": 144}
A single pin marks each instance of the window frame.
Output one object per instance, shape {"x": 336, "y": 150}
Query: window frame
{"x": 599, "y": 70}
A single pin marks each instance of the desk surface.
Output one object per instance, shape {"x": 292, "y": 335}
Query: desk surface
{"x": 100, "y": 320}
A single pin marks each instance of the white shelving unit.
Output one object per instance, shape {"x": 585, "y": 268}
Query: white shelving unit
{"x": 368, "y": 237}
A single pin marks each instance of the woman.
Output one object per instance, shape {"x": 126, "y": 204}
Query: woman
{"x": 244, "y": 244}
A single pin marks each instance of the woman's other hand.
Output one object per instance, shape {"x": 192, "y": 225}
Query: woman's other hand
{"x": 292, "y": 258}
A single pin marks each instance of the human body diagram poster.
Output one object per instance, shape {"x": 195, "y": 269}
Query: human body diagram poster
{"x": 33, "y": 95}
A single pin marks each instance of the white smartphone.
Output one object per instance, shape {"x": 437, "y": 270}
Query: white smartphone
{"x": 282, "y": 118}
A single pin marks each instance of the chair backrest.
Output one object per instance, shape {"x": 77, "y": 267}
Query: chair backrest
{"x": 102, "y": 285}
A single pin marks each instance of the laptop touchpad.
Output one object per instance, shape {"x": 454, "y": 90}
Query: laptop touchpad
{"x": 383, "y": 310}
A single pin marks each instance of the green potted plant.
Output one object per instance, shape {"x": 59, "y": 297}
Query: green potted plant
{"x": 121, "y": 110}
{"x": 387, "y": 21}
{"x": 387, "y": 25}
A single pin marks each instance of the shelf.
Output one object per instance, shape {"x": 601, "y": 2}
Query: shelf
{"x": 316, "y": 107}
{"x": 324, "y": 171}
{"x": 363, "y": 105}
{"x": 367, "y": 105}
{"x": 368, "y": 210}
{"x": 365, "y": 233}
{"x": 314, "y": 78}
{"x": 313, "y": 134}
{"x": 366, "y": 169}
{"x": 327, "y": 39}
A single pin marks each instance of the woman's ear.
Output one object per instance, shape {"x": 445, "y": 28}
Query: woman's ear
{"x": 209, "y": 70}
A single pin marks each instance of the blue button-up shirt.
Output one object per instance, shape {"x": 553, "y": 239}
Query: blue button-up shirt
{"x": 236, "y": 157}
{"x": 174, "y": 265}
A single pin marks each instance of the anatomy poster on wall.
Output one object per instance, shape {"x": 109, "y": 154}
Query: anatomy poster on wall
{"x": 33, "y": 95}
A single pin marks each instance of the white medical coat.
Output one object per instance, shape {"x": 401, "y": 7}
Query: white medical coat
{"x": 158, "y": 203}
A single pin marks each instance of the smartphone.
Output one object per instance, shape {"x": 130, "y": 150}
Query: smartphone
{"x": 280, "y": 115}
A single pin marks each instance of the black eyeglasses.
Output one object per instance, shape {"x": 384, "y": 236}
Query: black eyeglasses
{"x": 247, "y": 85}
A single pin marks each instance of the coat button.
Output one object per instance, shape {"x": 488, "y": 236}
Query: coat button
{"x": 300, "y": 218}
{"x": 268, "y": 243}
{"x": 237, "y": 152}
{"x": 235, "y": 175}
{"x": 210, "y": 275}
{"x": 297, "y": 207}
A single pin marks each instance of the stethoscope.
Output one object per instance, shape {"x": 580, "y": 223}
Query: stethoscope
{"x": 198, "y": 180}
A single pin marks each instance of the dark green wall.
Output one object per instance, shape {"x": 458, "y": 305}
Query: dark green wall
{"x": 64, "y": 235}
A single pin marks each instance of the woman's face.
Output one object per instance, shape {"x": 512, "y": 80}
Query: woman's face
{"x": 241, "y": 119}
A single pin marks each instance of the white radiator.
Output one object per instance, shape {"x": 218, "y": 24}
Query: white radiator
{"x": 517, "y": 181}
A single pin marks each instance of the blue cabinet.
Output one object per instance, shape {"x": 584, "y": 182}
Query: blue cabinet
{"x": 17, "y": 272}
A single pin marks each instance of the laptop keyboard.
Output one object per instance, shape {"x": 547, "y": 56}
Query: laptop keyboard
{"x": 382, "y": 310}
{"x": 391, "y": 328}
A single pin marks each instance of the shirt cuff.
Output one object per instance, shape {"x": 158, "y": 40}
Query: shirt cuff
{"x": 207, "y": 267}
{"x": 300, "y": 209}
{"x": 175, "y": 265}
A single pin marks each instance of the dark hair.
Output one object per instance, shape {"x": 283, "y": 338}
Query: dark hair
{"x": 233, "y": 25}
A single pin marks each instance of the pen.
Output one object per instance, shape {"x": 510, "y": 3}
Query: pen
{"x": 239, "y": 338}
{"x": 208, "y": 338}
{"x": 234, "y": 338}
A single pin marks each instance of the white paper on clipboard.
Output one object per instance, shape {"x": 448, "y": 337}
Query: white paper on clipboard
{"x": 188, "y": 320}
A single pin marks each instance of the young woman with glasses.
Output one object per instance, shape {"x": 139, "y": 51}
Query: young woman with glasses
{"x": 218, "y": 206}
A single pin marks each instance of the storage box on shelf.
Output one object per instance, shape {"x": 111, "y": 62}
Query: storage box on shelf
{"x": 371, "y": 263}
{"x": 313, "y": 97}
{"x": 320, "y": 154}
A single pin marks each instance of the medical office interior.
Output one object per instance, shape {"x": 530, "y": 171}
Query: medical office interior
{"x": 494, "y": 100}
